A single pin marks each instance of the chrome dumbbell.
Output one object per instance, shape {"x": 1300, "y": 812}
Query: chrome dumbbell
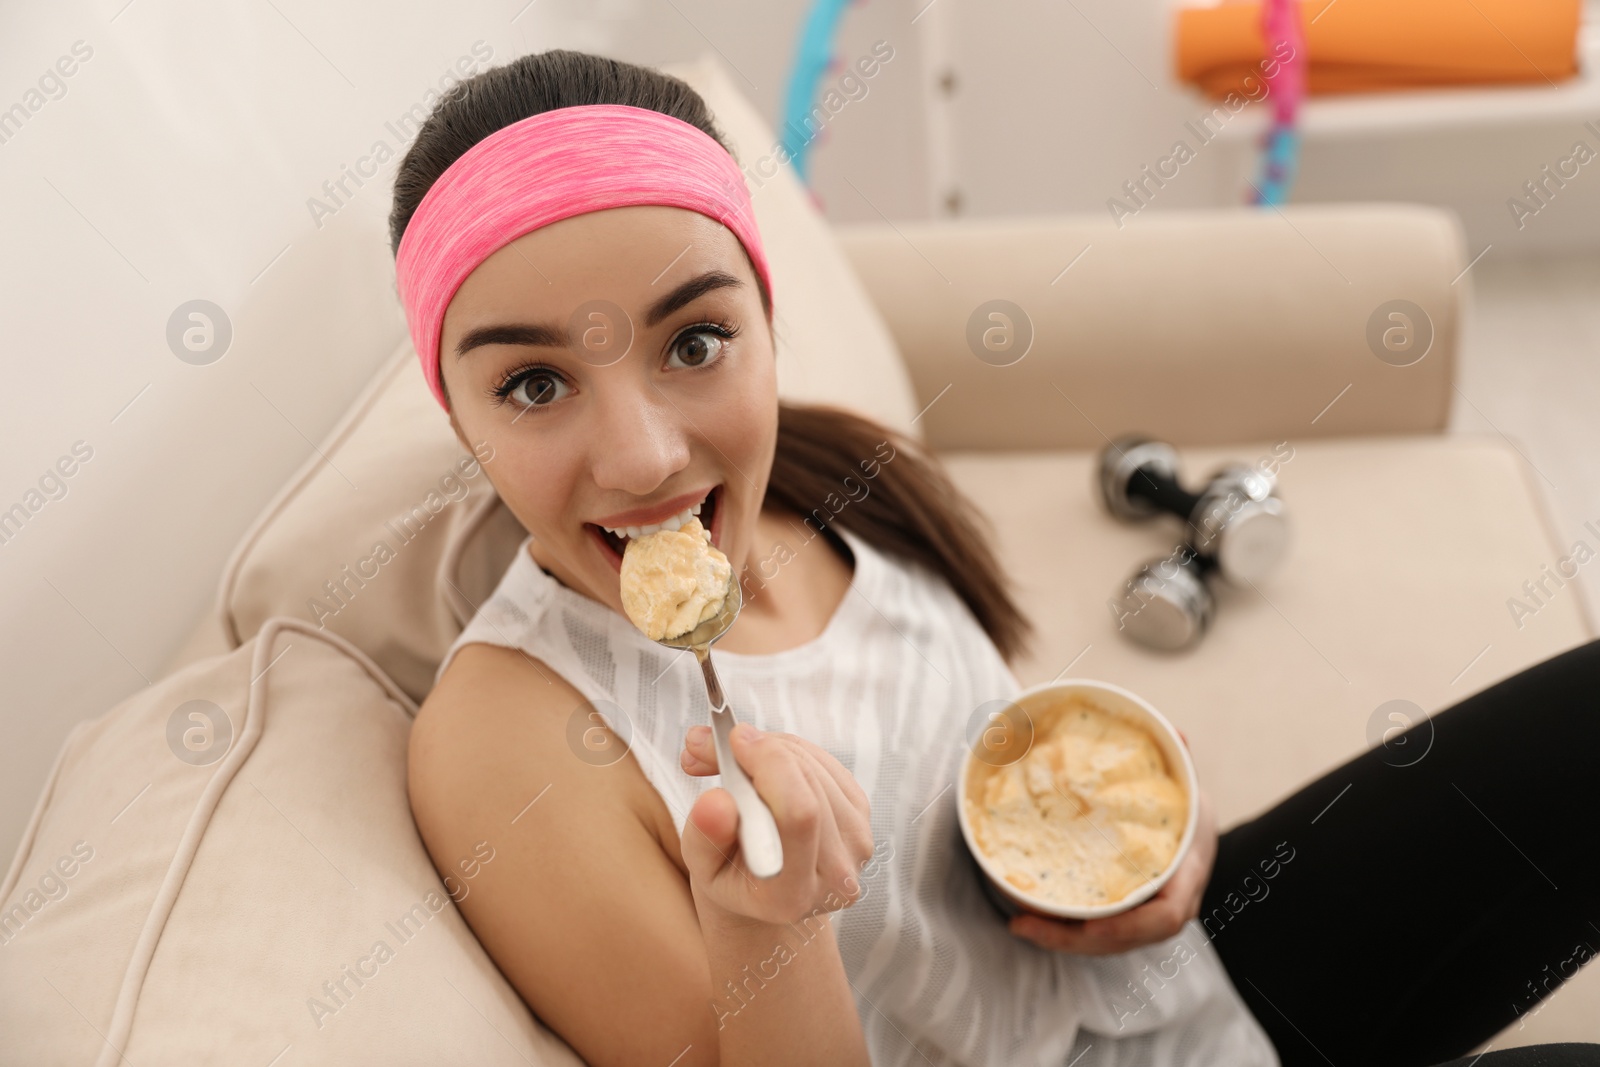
{"x": 1167, "y": 603}
{"x": 1237, "y": 521}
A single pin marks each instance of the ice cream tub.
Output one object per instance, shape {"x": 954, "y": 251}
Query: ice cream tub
{"x": 1077, "y": 800}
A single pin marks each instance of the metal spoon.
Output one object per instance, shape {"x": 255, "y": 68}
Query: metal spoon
{"x": 758, "y": 833}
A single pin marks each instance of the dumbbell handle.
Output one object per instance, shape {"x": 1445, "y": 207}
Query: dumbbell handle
{"x": 1152, "y": 483}
{"x": 1235, "y": 517}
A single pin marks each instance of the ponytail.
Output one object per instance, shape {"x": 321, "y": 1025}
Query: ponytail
{"x": 834, "y": 467}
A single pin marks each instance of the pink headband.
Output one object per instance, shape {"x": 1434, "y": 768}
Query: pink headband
{"x": 546, "y": 168}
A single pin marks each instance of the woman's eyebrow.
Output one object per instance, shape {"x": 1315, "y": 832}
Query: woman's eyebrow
{"x": 547, "y": 335}
{"x": 689, "y": 292}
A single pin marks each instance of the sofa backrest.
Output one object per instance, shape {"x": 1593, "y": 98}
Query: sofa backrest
{"x": 1201, "y": 327}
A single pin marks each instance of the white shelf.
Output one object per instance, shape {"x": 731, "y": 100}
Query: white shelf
{"x": 1576, "y": 100}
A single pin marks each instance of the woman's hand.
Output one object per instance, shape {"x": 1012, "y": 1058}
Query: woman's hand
{"x": 1157, "y": 919}
{"x": 823, "y": 819}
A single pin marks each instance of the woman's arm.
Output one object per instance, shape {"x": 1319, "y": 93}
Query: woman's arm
{"x": 584, "y": 907}
{"x": 809, "y": 791}
{"x": 761, "y": 973}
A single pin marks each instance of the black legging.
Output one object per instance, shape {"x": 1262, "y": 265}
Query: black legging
{"x": 1407, "y": 906}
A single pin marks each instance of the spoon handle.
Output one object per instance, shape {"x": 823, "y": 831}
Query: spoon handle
{"x": 758, "y": 832}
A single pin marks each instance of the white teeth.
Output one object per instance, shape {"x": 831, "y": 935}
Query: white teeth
{"x": 676, "y": 522}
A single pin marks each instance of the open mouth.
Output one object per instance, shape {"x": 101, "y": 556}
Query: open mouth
{"x": 615, "y": 544}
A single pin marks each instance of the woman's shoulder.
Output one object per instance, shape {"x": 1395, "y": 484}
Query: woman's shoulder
{"x": 500, "y": 723}
{"x": 469, "y": 710}
{"x": 489, "y": 695}
{"x": 480, "y": 669}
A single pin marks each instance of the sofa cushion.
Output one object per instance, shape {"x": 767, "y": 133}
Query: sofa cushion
{"x": 391, "y": 534}
{"x": 360, "y": 542}
{"x": 224, "y": 867}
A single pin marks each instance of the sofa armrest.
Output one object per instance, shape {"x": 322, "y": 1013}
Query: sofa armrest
{"x": 1202, "y": 327}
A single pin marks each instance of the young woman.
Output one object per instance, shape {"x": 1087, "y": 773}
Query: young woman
{"x": 592, "y": 307}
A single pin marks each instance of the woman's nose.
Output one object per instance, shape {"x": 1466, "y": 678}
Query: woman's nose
{"x": 642, "y": 440}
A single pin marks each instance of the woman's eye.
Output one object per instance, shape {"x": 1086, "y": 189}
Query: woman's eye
{"x": 700, "y": 347}
{"x": 536, "y": 389}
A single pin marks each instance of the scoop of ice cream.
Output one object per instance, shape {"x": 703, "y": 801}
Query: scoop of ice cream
{"x": 1088, "y": 815}
{"x": 673, "y": 580}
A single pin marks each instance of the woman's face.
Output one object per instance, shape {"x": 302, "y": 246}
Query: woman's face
{"x": 589, "y": 428}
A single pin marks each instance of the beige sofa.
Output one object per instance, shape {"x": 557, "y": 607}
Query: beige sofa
{"x": 224, "y": 865}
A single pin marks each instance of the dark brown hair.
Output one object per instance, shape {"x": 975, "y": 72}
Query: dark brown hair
{"x": 907, "y": 506}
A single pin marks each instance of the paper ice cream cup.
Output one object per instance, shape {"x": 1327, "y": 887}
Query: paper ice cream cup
{"x": 1005, "y": 733}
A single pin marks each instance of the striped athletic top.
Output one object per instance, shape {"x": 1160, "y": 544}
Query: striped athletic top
{"x": 888, "y": 688}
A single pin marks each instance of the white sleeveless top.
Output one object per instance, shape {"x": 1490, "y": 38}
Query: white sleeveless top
{"x": 887, "y": 688}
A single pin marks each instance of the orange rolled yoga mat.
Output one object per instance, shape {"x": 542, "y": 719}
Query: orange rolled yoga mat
{"x": 1368, "y": 45}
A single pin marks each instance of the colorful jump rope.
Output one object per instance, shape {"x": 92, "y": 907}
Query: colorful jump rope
{"x": 812, "y": 59}
{"x": 1280, "y": 144}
